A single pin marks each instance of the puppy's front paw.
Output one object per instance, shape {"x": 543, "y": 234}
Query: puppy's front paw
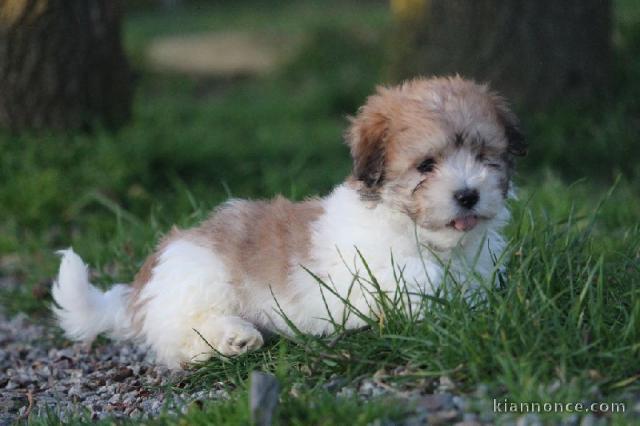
{"x": 239, "y": 340}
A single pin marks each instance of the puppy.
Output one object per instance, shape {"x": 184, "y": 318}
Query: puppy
{"x": 432, "y": 167}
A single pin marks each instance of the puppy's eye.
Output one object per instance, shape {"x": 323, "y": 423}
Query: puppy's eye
{"x": 493, "y": 165}
{"x": 427, "y": 165}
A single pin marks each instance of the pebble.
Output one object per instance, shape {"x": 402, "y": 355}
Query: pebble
{"x": 369, "y": 389}
{"x": 263, "y": 397}
{"x": 436, "y": 402}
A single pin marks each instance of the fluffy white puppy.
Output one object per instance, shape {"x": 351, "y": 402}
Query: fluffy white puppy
{"x": 432, "y": 165}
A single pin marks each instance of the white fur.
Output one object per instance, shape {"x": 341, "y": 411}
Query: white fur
{"x": 189, "y": 288}
{"x": 84, "y": 311}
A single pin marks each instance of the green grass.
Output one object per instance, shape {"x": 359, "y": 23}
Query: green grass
{"x": 317, "y": 407}
{"x": 564, "y": 327}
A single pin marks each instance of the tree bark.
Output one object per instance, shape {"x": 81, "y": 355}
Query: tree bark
{"x": 62, "y": 65}
{"x": 534, "y": 52}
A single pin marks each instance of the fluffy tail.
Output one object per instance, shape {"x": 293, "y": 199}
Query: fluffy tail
{"x": 83, "y": 311}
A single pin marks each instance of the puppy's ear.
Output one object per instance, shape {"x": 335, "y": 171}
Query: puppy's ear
{"x": 367, "y": 139}
{"x": 516, "y": 143}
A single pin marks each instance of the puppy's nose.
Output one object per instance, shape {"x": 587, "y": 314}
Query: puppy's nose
{"x": 467, "y": 198}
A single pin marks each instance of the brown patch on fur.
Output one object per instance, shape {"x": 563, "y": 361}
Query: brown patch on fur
{"x": 367, "y": 137}
{"x": 260, "y": 240}
{"x": 376, "y": 137}
{"x": 257, "y": 240}
{"x": 144, "y": 274}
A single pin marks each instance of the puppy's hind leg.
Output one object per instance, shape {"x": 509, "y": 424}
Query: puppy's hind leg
{"x": 228, "y": 335}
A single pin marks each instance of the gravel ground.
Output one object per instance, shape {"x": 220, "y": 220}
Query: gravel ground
{"x": 39, "y": 375}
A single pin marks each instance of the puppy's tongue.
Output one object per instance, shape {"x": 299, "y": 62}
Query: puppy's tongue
{"x": 465, "y": 223}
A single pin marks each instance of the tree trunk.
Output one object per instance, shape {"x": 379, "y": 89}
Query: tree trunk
{"x": 534, "y": 52}
{"x": 62, "y": 65}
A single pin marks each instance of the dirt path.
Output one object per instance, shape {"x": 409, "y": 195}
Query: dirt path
{"x": 220, "y": 54}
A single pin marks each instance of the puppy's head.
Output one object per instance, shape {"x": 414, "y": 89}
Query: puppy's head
{"x": 440, "y": 151}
